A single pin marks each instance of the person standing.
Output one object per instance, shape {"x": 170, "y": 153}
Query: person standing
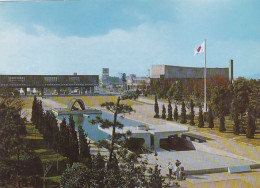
{"x": 170, "y": 168}
{"x": 177, "y": 169}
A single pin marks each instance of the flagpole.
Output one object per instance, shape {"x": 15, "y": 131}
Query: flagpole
{"x": 205, "y": 81}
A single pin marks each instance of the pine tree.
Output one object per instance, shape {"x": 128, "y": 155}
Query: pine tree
{"x": 183, "y": 113}
{"x": 34, "y": 110}
{"x": 115, "y": 108}
{"x": 176, "y": 113}
{"x": 71, "y": 122}
{"x": 210, "y": 118}
{"x": 84, "y": 147}
{"x": 64, "y": 138}
{"x": 250, "y": 132}
{"x": 156, "y": 108}
{"x": 73, "y": 142}
{"x": 39, "y": 118}
{"x": 169, "y": 111}
{"x": 163, "y": 112}
{"x": 200, "y": 118}
{"x": 192, "y": 113}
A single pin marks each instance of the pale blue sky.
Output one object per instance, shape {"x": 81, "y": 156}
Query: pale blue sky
{"x": 129, "y": 36}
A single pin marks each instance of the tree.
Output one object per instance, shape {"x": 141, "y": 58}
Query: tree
{"x": 113, "y": 175}
{"x": 64, "y": 138}
{"x": 73, "y": 142}
{"x": 170, "y": 92}
{"x": 84, "y": 147}
{"x": 123, "y": 80}
{"x": 210, "y": 118}
{"x": 219, "y": 102}
{"x": 156, "y": 108}
{"x": 200, "y": 118}
{"x": 99, "y": 171}
{"x": 254, "y": 97}
{"x": 235, "y": 116}
{"x": 183, "y": 113}
{"x": 116, "y": 109}
{"x": 12, "y": 142}
{"x": 163, "y": 112}
{"x": 175, "y": 113}
{"x": 169, "y": 111}
{"x": 222, "y": 126}
{"x": 192, "y": 113}
{"x": 241, "y": 90}
{"x": 34, "y": 110}
{"x": 16, "y": 157}
{"x": 156, "y": 179}
{"x": 250, "y": 132}
{"x": 178, "y": 92}
{"x": 78, "y": 176}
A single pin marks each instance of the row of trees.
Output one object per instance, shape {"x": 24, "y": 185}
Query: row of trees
{"x": 238, "y": 100}
{"x": 62, "y": 138}
{"x": 185, "y": 89}
{"x": 183, "y": 116}
{"x": 19, "y": 166}
{"x": 171, "y": 116}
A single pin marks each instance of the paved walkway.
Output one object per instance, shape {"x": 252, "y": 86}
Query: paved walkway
{"x": 194, "y": 160}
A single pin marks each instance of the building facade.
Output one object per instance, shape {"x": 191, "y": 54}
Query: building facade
{"x": 85, "y": 83}
{"x": 177, "y": 72}
{"x": 140, "y": 83}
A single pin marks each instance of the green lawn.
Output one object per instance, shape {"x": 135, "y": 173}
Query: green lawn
{"x": 47, "y": 155}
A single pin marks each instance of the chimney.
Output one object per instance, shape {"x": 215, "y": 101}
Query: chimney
{"x": 231, "y": 71}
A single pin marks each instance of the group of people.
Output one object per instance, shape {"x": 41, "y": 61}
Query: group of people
{"x": 176, "y": 169}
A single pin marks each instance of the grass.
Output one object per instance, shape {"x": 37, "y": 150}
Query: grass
{"x": 47, "y": 155}
{"x": 27, "y": 102}
{"x": 55, "y": 179}
{"x": 40, "y": 147}
{"x": 88, "y": 100}
{"x": 229, "y": 132}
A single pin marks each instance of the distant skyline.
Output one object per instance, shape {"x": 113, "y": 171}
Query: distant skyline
{"x": 63, "y": 37}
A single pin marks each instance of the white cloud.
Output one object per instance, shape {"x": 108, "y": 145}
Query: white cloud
{"x": 132, "y": 51}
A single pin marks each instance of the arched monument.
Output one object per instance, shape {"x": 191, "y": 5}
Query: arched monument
{"x": 71, "y": 105}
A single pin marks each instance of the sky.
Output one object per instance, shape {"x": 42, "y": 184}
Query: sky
{"x": 84, "y": 36}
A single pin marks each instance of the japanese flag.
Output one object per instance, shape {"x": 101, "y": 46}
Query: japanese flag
{"x": 200, "y": 49}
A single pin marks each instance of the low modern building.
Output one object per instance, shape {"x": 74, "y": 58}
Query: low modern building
{"x": 85, "y": 83}
{"x": 166, "y": 75}
{"x": 178, "y": 73}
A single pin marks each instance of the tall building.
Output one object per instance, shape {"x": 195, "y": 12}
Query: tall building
{"x": 108, "y": 81}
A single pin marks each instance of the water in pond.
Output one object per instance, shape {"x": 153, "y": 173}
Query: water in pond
{"x": 92, "y": 130}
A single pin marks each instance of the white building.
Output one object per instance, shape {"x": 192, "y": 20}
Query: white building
{"x": 140, "y": 83}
